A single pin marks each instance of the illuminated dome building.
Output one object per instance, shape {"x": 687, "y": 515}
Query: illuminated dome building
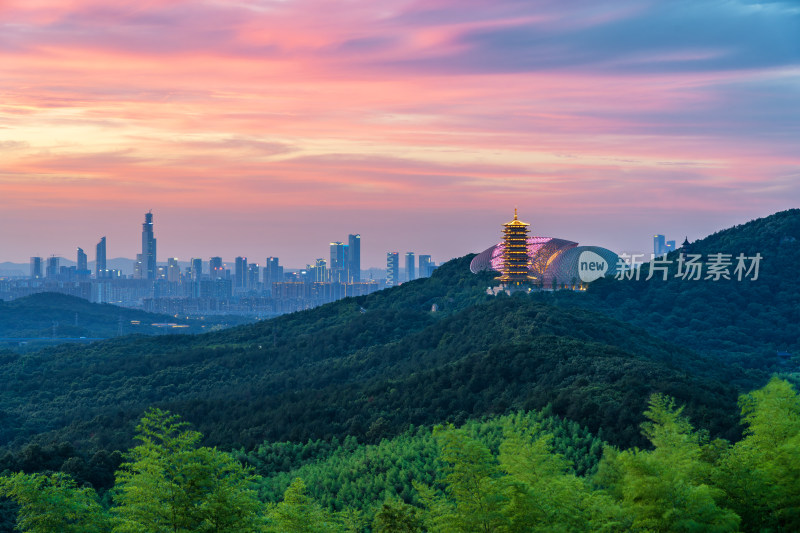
{"x": 551, "y": 262}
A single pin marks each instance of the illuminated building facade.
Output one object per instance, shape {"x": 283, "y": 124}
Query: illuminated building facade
{"x": 392, "y": 269}
{"x": 545, "y": 261}
{"x": 516, "y": 262}
{"x": 215, "y": 268}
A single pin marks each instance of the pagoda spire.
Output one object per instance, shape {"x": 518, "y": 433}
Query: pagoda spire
{"x": 516, "y": 261}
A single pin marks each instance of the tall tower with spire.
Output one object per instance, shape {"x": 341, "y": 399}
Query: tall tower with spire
{"x": 149, "y": 268}
{"x": 516, "y": 262}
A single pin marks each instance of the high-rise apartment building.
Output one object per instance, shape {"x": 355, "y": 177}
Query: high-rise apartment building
{"x": 138, "y": 267}
{"x": 52, "y": 267}
{"x": 215, "y": 268}
{"x": 411, "y": 274}
{"x": 100, "y": 264}
{"x": 36, "y": 267}
{"x": 424, "y": 266}
{"x": 240, "y": 281}
{"x": 196, "y": 268}
{"x": 82, "y": 268}
{"x": 273, "y": 272}
{"x": 337, "y": 267}
{"x": 253, "y": 274}
{"x": 659, "y": 244}
{"x": 149, "y": 267}
{"x": 392, "y": 269}
{"x": 354, "y": 258}
{"x": 173, "y": 270}
{"x": 320, "y": 270}
{"x": 82, "y": 260}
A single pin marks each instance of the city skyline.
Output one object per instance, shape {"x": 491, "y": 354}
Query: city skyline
{"x": 344, "y": 265}
{"x": 261, "y": 122}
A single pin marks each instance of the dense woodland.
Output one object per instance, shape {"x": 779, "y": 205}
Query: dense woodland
{"x": 742, "y": 322}
{"x": 347, "y": 386}
{"x": 506, "y": 475}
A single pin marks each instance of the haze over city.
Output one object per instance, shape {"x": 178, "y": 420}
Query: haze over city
{"x": 263, "y": 128}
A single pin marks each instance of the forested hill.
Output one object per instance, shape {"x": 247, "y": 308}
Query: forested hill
{"x": 56, "y": 316}
{"x": 367, "y": 367}
{"x": 744, "y": 322}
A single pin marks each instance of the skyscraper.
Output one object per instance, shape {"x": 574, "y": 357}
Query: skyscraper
{"x": 149, "y": 268}
{"x": 659, "y": 244}
{"x": 424, "y": 266}
{"x": 411, "y": 274}
{"x": 196, "y": 268}
{"x": 338, "y": 262}
{"x": 215, "y": 269}
{"x": 273, "y": 272}
{"x": 52, "y": 267}
{"x": 100, "y": 265}
{"x": 36, "y": 267}
{"x": 320, "y": 270}
{"x": 173, "y": 270}
{"x": 138, "y": 268}
{"x": 354, "y": 258}
{"x": 241, "y": 273}
{"x": 82, "y": 269}
{"x": 253, "y": 273}
{"x": 392, "y": 269}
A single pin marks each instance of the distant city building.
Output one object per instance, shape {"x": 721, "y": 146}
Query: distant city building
{"x": 662, "y": 246}
{"x": 175, "y": 287}
{"x": 411, "y": 274}
{"x": 100, "y": 263}
{"x": 354, "y": 258}
{"x": 82, "y": 268}
{"x": 273, "y": 272}
{"x": 253, "y": 274}
{"x": 138, "y": 267}
{"x": 149, "y": 265}
{"x": 36, "y": 267}
{"x": 240, "y": 276}
{"x": 173, "y": 270}
{"x": 216, "y": 270}
{"x": 52, "y": 267}
{"x": 425, "y": 266}
{"x": 320, "y": 270}
{"x": 196, "y": 268}
{"x": 392, "y": 269}
{"x": 338, "y": 263}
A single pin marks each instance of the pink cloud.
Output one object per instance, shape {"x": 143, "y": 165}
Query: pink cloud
{"x": 406, "y": 107}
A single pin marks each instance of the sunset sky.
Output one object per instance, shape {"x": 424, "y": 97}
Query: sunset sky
{"x": 272, "y": 127}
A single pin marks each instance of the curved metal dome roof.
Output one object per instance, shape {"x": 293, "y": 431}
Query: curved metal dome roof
{"x": 565, "y": 268}
{"x": 541, "y": 250}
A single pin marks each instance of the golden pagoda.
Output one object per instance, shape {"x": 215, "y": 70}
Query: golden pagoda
{"x": 516, "y": 262}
